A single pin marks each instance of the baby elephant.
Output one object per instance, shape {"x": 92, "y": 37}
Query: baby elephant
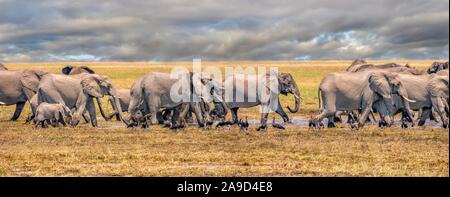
{"x": 53, "y": 114}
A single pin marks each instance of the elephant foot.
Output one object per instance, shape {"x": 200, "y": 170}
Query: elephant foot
{"x": 331, "y": 125}
{"x": 337, "y": 119}
{"x": 167, "y": 124}
{"x": 382, "y": 124}
{"x": 311, "y": 124}
{"x": 421, "y": 122}
{"x": 404, "y": 125}
{"x": 262, "y": 128}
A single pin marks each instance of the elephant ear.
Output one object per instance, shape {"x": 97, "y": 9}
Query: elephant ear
{"x": 91, "y": 86}
{"x": 30, "y": 79}
{"x": 436, "y": 86}
{"x": 273, "y": 79}
{"x": 87, "y": 69}
{"x": 379, "y": 84}
{"x": 66, "y": 70}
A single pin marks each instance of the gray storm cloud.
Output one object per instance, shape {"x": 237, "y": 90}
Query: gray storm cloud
{"x": 160, "y": 30}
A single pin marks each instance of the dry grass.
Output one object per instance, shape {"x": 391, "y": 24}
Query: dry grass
{"x": 112, "y": 150}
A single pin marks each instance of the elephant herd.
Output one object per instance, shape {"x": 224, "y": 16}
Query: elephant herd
{"x": 360, "y": 91}
{"x": 386, "y": 89}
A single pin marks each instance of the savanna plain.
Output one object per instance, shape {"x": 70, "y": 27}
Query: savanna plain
{"x": 113, "y": 150}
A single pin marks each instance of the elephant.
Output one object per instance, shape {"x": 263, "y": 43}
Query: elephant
{"x": 75, "y": 70}
{"x": 77, "y": 92}
{"x": 427, "y": 91}
{"x": 152, "y": 92}
{"x": 124, "y": 99}
{"x": 237, "y": 83}
{"x": 3, "y": 67}
{"x": 361, "y": 65}
{"x": 437, "y": 66}
{"x": 18, "y": 87}
{"x": 53, "y": 113}
{"x": 349, "y": 91}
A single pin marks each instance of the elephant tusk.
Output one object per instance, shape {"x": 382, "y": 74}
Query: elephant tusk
{"x": 2, "y": 103}
{"x": 409, "y": 100}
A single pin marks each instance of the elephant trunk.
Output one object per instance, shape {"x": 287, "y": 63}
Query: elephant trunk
{"x": 296, "y": 93}
{"x": 100, "y": 106}
{"x": 119, "y": 110}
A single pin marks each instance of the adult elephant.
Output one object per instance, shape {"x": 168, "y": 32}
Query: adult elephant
{"x": 77, "y": 93}
{"x": 428, "y": 91}
{"x": 240, "y": 84}
{"x": 3, "y": 67}
{"x": 18, "y": 87}
{"x": 154, "y": 91}
{"x": 347, "y": 91}
{"x": 437, "y": 66}
{"x": 75, "y": 70}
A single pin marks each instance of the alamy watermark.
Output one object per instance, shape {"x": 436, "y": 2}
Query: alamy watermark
{"x": 235, "y": 86}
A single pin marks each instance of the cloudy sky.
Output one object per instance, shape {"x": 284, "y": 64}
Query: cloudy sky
{"x": 172, "y": 30}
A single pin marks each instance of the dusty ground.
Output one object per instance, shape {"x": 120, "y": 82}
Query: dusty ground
{"x": 112, "y": 150}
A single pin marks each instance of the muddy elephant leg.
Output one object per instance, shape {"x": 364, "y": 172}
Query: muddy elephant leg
{"x": 198, "y": 114}
{"x": 19, "y": 108}
{"x": 281, "y": 112}
{"x": 62, "y": 121}
{"x": 91, "y": 109}
{"x": 184, "y": 110}
{"x": 425, "y": 113}
{"x": 176, "y": 115}
{"x": 263, "y": 126}
{"x": 439, "y": 106}
{"x": 234, "y": 112}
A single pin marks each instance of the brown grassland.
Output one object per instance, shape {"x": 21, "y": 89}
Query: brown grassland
{"x": 113, "y": 150}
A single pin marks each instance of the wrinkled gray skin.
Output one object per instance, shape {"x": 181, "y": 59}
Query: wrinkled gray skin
{"x": 124, "y": 99}
{"x": 75, "y": 70}
{"x": 53, "y": 113}
{"x": 428, "y": 92}
{"x": 77, "y": 92}
{"x": 3, "y": 67}
{"x": 18, "y": 87}
{"x": 437, "y": 66}
{"x": 347, "y": 91}
{"x": 286, "y": 84}
{"x": 151, "y": 93}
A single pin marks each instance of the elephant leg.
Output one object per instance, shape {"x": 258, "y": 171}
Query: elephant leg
{"x": 86, "y": 118}
{"x": 439, "y": 106}
{"x": 153, "y": 104}
{"x": 91, "y": 109}
{"x": 331, "y": 122}
{"x": 234, "y": 112}
{"x": 185, "y": 109}
{"x": 366, "y": 106}
{"x": 281, "y": 112}
{"x": 424, "y": 115}
{"x": 62, "y": 121}
{"x": 263, "y": 126}
{"x": 198, "y": 114}
{"x": 19, "y": 108}
{"x": 317, "y": 121}
{"x": 176, "y": 115}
